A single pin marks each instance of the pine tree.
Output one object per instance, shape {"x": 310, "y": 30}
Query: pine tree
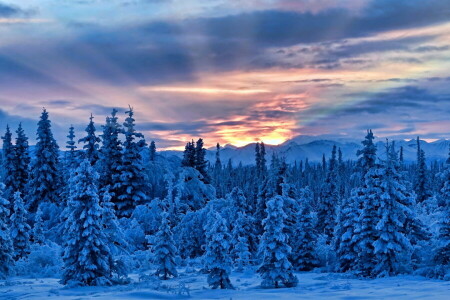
{"x": 45, "y": 181}
{"x": 131, "y": 186}
{"x": 152, "y": 151}
{"x": 8, "y": 165}
{"x": 110, "y": 156}
{"x": 6, "y": 246}
{"x": 21, "y": 161}
{"x": 87, "y": 255}
{"x": 274, "y": 249}
{"x": 91, "y": 142}
{"x": 20, "y": 230}
{"x": 217, "y": 258}
{"x": 392, "y": 248}
{"x": 165, "y": 251}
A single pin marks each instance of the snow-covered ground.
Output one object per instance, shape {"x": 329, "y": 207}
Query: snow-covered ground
{"x": 311, "y": 286}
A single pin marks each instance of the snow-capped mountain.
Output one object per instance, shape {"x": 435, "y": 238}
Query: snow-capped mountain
{"x": 313, "y": 147}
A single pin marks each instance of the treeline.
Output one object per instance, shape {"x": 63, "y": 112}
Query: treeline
{"x": 116, "y": 202}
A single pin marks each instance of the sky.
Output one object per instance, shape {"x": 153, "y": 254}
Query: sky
{"x": 228, "y": 71}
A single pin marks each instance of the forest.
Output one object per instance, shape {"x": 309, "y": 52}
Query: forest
{"x": 108, "y": 204}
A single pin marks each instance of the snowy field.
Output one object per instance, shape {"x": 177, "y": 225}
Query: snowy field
{"x": 311, "y": 286}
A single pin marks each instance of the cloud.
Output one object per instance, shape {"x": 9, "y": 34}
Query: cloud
{"x": 7, "y": 10}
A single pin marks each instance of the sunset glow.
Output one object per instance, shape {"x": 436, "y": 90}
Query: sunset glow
{"x": 259, "y": 71}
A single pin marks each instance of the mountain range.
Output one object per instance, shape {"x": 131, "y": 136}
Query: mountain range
{"x": 313, "y": 147}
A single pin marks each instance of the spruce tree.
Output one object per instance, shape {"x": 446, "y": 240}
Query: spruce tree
{"x": 38, "y": 229}
{"x": 87, "y": 255}
{"x": 110, "y": 156}
{"x": 165, "y": 251}
{"x": 91, "y": 143}
{"x": 6, "y": 246}
{"x": 152, "y": 151}
{"x": 258, "y": 160}
{"x": 263, "y": 160}
{"x": 303, "y": 240}
{"x": 274, "y": 250}
{"x": 71, "y": 153}
{"x": 21, "y": 161}
{"x": 242, "y": 252}
{"x": 392, "y": 249}
{"x": 217, "y": 174}
{"x": 217, "y": 258}
{"x": 442, "y": 249}
{"x": 20, "y": 230}
{"x": 421, "y": 187}
{"x": 45, "y": 180}
{"x": 189, "y": 155}
{"x": 131, "y": 186}
{"x": 243, "y": 226}
{"x": 329, "y": 199}
{"x": 8, "y": 165}
{"x": 200, "y": 161}
{"x": 356, "y": 230}
{"x": 111, "y": 226}
{"x": 344, "y": 233}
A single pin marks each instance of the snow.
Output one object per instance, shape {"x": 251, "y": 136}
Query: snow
{"x": 247, "y": 286}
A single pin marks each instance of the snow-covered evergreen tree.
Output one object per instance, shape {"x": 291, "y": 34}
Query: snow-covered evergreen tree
{"x": 442, "y": 251}
{"x": 164, "y": 251}
{"x": 87, "y": 255}
{"x": 91, "y": 143}
{"x": 45, "y": 180}
{"x": 8, "y": 155}
{"x": 189, "y": 155}
{"x": 152, "y": 151}
{"x": 392, "y": 249}
{"x": 344, "y": 233}
{"x": 110, "y": 156}
{"x": 111, "y": 226}
{"x": 242, "y": 252}
{"x": 217, "y": 256}
{"x": 21, "y": 161}
{"x": 70, "y": 153}
{"x": 329, "y": 199}
{"x": 365, "y": 202}
{"x": 303, "y": 240}
{"x": 243, "y": 227}
{"x": 20, "y": 230}
{"x": 131, "y": 187}
{"x": 200, "y": 161}
{"x": 274, "y": 251}
{"x": 38, "y": 228}
{"x": 421, "y": 186}
{"x": 6, "y": 246}
{"x": 192, "y": 192}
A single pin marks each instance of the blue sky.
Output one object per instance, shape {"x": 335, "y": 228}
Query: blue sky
{"x": 229, "y": 71}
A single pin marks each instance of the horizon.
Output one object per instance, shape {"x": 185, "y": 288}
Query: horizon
{"x": 235, "y": 74}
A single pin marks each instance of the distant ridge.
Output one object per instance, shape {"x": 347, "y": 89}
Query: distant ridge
{"x": 313, "y": 147}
